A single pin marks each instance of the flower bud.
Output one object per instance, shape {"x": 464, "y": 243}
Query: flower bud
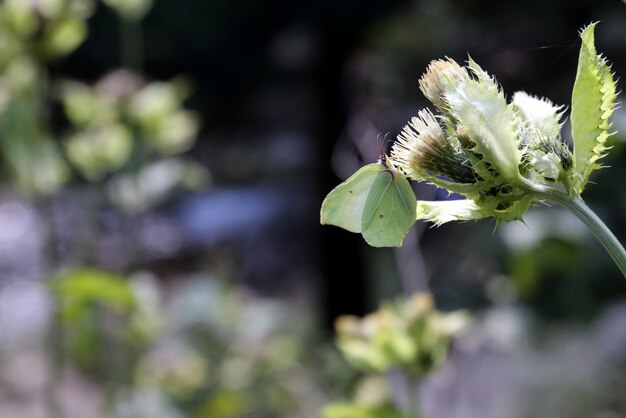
{"x": 423, "y": 148}
{"x": 440, "y": 76}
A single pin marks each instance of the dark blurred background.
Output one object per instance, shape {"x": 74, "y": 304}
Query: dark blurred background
{"x": 284, "y": 100}
{"x": 281, "y": 87}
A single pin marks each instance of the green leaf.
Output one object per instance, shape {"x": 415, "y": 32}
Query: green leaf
{"x": 377, "y": 201}
{"x": 593, "y": 102}
{"x": 343, "y": 206}
{"x": 353, "y": 410}
{"x": 80, "y": 289}
{"x": 224, "y": 403}
{"x": 363, "y": 355}
{"x": 389, "y": 210}
{"x": 64, "y": 36}
{"x": 480, "y": 106}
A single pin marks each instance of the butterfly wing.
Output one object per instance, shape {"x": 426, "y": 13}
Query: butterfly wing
{"x": 343, "y": 207}
{"x": 389, "y": 210}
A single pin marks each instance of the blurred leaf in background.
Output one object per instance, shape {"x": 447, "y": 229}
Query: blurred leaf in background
{"x": 29, "y": 155}
{"x": 96, "y": 314}
{"x": 207, "y": 350}
{"x": 407, "y": 337}
{"x": 123, "y": 122}
{"x": 32, "y": 33}
{"x": 44, "y": 29}
{"x": 411, "y": 335}
{"x": 346, "y": 410}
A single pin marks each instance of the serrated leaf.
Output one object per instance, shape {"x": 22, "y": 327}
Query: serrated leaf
{"x": 481, "y": 108}
{"x": 593, "y": 102}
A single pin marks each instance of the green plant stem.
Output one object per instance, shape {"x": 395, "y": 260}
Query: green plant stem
{"x": 411, "y": 392}
{"x": 131, "y": 44}
{"x": 600, "y": 230}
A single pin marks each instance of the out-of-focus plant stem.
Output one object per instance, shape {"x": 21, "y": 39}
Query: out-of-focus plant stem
{"x": 46, "y": 209}
{"x": 131, "y": 44}
{"x": 54, "y": 336}
{"x": 411, "y": 383}
{"x": 56, "y": 362}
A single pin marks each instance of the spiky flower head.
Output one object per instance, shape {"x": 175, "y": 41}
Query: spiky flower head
{"x": 503, "y": 156}
{"x": 423, "y": 148}
{"x": 441, "y": 75}
{"x": 539, "y": 125}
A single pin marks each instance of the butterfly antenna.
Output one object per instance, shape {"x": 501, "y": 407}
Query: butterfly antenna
{"x": 387, "y": 141}
{"x": 380, "y": 140}
{"x": 383, "y": 142}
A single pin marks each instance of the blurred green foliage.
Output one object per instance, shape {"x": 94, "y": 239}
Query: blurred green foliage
{"x": 407, "y": 336}
{"x": 29, "y": 155}
{"x": 100, "y": 323}
{"x": 43, "y": 29}
{"x": 341, "y": 410}
{"x": 411, "y": 335}
{"x": 121, "y": 121}
{"x": 79, "y": 289}
{"x": 31, "y": 34}
{"x": 208, "y": 349}
{"x": 121, "y": 131}
{"x": 372, "y": 399}
{"x": 555, "y": 280}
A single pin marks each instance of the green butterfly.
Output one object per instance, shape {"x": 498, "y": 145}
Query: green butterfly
{"x": 376, "y": 201}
